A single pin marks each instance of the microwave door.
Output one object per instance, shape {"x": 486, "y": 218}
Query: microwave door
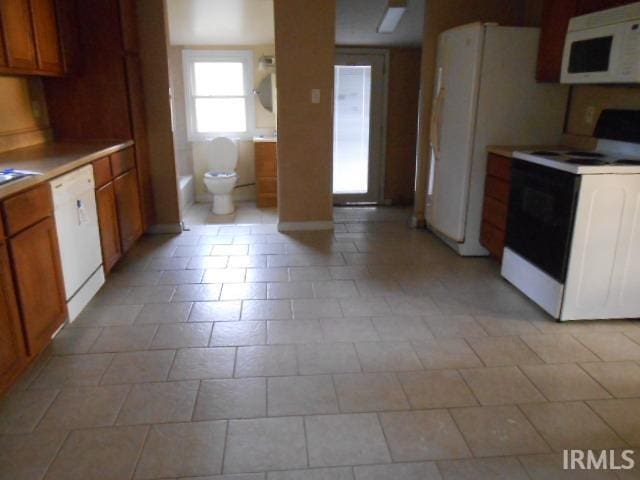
{"x": 592, "y": 55}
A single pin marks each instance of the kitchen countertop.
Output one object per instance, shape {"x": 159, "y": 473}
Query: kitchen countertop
{"x": 509, "y": 150}
{"x": 52, "y": 160}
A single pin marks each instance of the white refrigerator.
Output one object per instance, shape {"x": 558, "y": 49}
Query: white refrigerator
{"x": 485, "y": 94}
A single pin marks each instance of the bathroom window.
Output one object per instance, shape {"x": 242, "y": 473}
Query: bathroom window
{"x": 218, "y": 89}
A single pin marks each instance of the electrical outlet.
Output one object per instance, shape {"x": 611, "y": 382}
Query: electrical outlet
{"x": 315, "y": 95}
{"x": 590, "y": 115}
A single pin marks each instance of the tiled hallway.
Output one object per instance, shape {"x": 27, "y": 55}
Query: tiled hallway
{"x": 369, "y": 353}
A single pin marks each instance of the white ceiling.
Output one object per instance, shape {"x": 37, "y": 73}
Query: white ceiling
{"x": 250, "y": 22}
{"x": 220, "y": 22}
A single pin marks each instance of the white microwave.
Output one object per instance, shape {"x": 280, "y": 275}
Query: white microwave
{"x": 603, "y": 47}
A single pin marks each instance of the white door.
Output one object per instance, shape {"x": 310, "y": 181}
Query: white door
{"x": 454, "y": 112}
{"x": 359, "y": 92}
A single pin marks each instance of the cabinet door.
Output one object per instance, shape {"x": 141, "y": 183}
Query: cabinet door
{"x": 18, "y": 34}
{"x": 555, "y": 21}
{"x": 109, "y": 231}
{"x": 590, "y": 6}
{"x": 13, "y": 354}
{"x": 68, "y": 31}
{"x": 128, "y": 205}
{"x": 3, "y": 58}
{"x": 46, "y": 35}
{"x": 38, "y": 274}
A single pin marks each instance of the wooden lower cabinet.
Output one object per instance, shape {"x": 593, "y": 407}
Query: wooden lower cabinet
{"x": 13, "y": 355}
{"x": 39, "y": 284}
{"x": 496, "y": 204}
{"x": 109, "y": 230}
{"x": 266, "y": 165}
{"x": 128, "y": 208}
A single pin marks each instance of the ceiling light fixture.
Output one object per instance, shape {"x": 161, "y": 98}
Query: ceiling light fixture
{"x": 392, "y": 16}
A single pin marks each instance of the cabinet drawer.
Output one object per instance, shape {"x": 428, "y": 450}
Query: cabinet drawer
{"x": 27, "y": 208}
{"x": 267, "y": 185}
{"x": 495, "y": 213}
{"x": 122, "y": 161}
{"x": 499, "y": 166}
{"x": 498, "y": 189}
{"x": 102, "y": 171}
{"x": 266, "y": 163}
{"x": 493, "y": 239}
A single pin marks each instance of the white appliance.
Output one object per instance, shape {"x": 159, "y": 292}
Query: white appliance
{"x": 603, "y": 47}
{"x": 79, "y": 237}
{"x": 574, "y": 230}
{"x": 485, "y": 94}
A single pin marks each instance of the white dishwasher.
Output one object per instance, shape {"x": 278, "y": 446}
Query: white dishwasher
{"x": 76, "y": 217}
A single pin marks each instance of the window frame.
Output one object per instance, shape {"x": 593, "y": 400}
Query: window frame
{"x": 189, "y": 58}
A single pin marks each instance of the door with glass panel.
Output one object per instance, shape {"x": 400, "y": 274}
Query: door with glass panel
{"x": 358, "y": 116}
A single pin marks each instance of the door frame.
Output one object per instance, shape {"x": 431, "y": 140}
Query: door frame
{"x": 384, "y": 53}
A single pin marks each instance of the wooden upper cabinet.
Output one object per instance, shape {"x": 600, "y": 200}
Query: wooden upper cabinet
{"x": 68, "y": 33}
{"x": 46, "y": 36}
{"x": 590, "y": 6}
{"x": 18, "y": 34}
{"x": 555, "y": 21}
{"x": 128, "y": 207}
{"x": 13, "y": 353}
{"x": 109, "y": 230}
{"x": 39, "y": 283}
{"x": 128, "y": 25}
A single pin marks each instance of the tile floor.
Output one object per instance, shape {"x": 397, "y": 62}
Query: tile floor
{"x": 369, "y": 353}
{"x": 246, "y": 213}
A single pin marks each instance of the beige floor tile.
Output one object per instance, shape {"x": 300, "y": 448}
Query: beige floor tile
{"x": 398, "y": 328}
{"x": 143, "y": 295}
{"x": 20, "y": 412}
{"x": 379, "y": 287}
{"x": 73, "y": 371}
{"x": 27, "y": 457}
{"x": 412, "y": 305}
{"x": 135, "y": 367}
{"x": 353, "y": 439}
{"x": 156, "y": 313}
{"x": 370, "y": 392}
{"x": 309, "y": 273}
{"x": 202, "y": 263}
{"x": 267, "y": 249}
{"x": 180, "y": 277}
{"x": 315, "y": 308}
{"x": 267, "y": 274}
{"x": 559, "y": 348}
{"x": 387, "y": 357}
{"x": 202, "y": 363}
{"x": 504, "y": 325}
{"x": 182, "y": 449}
{"x": 84, "y": 407}
{"x": 621, "y": 379}
{"x": 108, "y": 316}
{"x": 507, "y": 468}
{"x": 452, "y": 326}
{"x": 197, "y": 293}
{"x": 105, "y": 453}
{"x": 239, "y": 333}
{"x": 149, "y": 403}
{"x": 168, "y": 263}
{"x": 550, "y": 467}
{"x": 231, "y": 398}
{"x": 610, "y": 347}
{"x": 230, "y": 250}
{"x": 243, "y": 291}
{"x": 124, "y": 339}
{"x": 182, "y": 335}
{"x": 564, "y": 382}
{"x": 571, "y": 425}
{"x": 134, "y": 279}
{"x": 335, "y": 289}
{"x": 365, "y": 307}
{"x": 404, "y": 471}
{"x": 215, "y": 311}
{"x": 623, "y": 416}
{"x": 406, "y": 433}
{"x": 294, "y": 332}
{"x": 224, "y": 275}
{"x": 192, "y": 251}
{"x": 503, "y": 351}
{"x": 436, "y": 389}
{"x": 446, "y": 353}
{"x": 348, "y": 273}
{"x": 248, "y": 261}
{"x": 291, "y": 290}
{"x": 72, "y": 341}
{"x": 498, "y": 431}
{"x": 349, "y": 330}
{"x": 335, "y": 473}
{"x": 301, "y": 395}
{"x": 109, "y": 296}
{"x": 501, "y": 386}
{"x": 266, "y": 309}
{"x": 266, "y": 361}
{"x": 327, "y": 358}
{"x": 265, "y": 444}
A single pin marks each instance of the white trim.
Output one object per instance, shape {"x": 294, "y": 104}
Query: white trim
{"x": 304, "y": 226}
{"x": 189, "y": 57}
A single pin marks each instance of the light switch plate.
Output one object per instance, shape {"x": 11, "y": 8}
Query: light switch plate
{"x": 315, "y": 95}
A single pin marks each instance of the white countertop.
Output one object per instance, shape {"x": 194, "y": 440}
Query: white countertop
{"x": 265, "y": 139}
{"x": 560, "y": 164}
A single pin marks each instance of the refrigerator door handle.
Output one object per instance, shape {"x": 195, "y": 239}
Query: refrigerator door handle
{"x": 436, "y": 124}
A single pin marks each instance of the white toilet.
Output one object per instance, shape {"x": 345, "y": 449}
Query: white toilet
{"x": 221, "y": 177}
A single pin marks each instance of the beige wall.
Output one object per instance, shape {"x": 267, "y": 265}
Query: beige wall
{"x": 155, "y": 77}
{"x": 305, "y": 36}
{"x": 19, "y": 124}
{"x": 441, "y": 15}
{"x": 597, "y": 98}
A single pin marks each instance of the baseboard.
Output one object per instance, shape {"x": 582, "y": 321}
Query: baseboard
{"x": 304, "y": 226}
{"x": 164, "y": 228}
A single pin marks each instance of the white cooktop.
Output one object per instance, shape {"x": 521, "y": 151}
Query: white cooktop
{"x": 609, "y": 157}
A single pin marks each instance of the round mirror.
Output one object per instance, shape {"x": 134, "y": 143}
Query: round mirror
{"x": 265, "y": 93}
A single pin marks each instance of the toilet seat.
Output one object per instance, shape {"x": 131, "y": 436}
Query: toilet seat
{"x": 220, "y": 175}
{"x": 223, "y": 155}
